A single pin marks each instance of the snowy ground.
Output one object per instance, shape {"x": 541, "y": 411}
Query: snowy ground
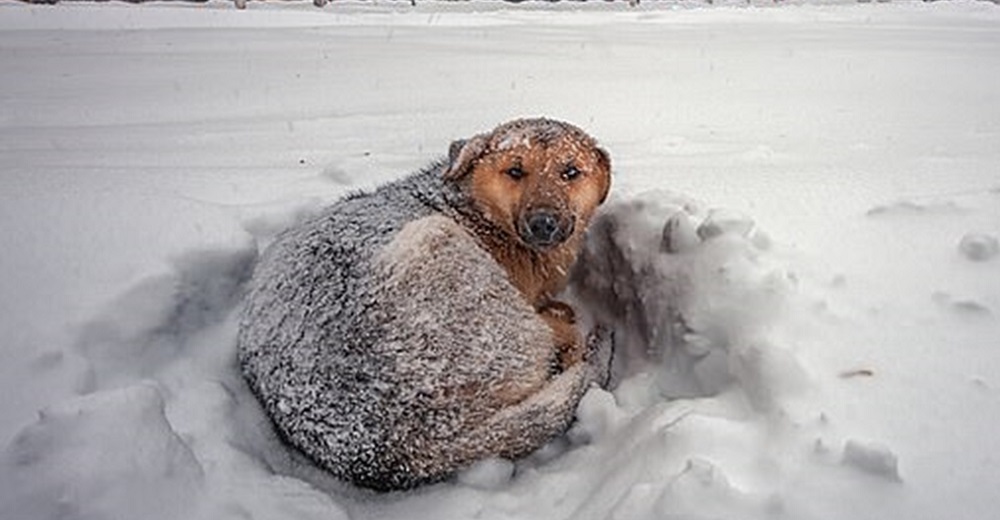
{"x": 840, "y": 350}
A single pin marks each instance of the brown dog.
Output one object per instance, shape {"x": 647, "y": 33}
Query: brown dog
{"x": 411, "y": 331}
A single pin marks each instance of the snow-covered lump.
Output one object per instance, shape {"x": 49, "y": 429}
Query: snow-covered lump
{"x": 407, "y": 333}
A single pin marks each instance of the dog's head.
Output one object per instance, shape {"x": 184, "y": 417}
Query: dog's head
{"x": 538, "y": 179}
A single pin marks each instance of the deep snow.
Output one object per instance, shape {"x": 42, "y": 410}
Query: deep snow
{"x": 817, "y": 336}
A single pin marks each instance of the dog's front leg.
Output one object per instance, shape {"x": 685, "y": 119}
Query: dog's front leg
{"x": 561, "y": 318}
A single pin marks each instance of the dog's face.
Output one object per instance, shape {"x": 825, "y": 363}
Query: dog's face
{"x": 537, "y": 179}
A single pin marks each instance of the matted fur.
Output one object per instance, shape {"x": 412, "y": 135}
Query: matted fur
{"x": 408, "y": 332}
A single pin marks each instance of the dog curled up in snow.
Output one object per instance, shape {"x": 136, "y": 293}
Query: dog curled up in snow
{"x": 408, "y": 332}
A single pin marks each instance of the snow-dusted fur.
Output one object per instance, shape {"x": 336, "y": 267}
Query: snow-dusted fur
{"x": 386, "y": 344}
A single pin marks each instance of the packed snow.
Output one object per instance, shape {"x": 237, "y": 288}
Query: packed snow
{"x": 800, "y": 254}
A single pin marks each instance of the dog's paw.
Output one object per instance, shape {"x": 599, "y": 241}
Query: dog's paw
{"x": 558, "y": 310}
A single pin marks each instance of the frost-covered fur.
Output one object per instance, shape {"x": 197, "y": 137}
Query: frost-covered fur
{"x": 391, "y": 348}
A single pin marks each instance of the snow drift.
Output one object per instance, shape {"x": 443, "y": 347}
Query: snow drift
{"x": 808, "y": 319}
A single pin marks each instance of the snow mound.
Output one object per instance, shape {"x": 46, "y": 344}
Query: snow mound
{"x": 872, "y": 458}
{"x": 705, "y": 416}
{"x": 691, "y": 296}
{"x": 149, "y": 326}
{"x": 106, "y": 455}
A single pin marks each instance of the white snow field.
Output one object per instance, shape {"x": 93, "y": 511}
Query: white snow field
{"x": 800, "y": 254}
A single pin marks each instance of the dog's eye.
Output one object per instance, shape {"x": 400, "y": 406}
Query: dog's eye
{"x": 571, "y": 172}
{"x": 514, "y": 172}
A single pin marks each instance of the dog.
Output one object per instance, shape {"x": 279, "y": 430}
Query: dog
{"x": 408, "y": 332}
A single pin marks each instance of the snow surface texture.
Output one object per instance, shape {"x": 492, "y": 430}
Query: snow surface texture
{"x": 841, "y": 365}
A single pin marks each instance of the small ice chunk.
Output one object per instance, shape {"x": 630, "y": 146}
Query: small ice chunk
{"x": 979, "y": 247}
{"x": 597, "y": 413}
{"x": 490, "y": 473}
{"x": 722, "y": 221}
{"x": 704, "y": 473}
{"x": 679, "y": 234}
{"x": 872, "y": 458}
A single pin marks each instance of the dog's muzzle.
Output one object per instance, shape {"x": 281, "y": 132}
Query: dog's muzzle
{"x": 543, "y": 228}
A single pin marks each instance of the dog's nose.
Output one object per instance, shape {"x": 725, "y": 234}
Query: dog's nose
{"x": 543, "y": 225}
{"x": 543, "y": 228}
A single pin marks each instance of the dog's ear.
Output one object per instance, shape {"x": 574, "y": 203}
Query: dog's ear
{"x": 604, "y": 162}
{"x": 461, "y": 155}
